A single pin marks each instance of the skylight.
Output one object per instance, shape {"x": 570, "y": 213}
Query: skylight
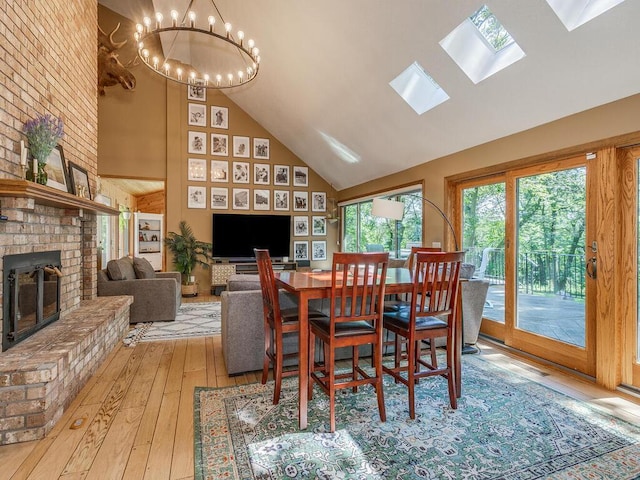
{"x": 481, "y": 46}
{"x": 491, "y": 29}
{"x": 418, "y": 89}
{"x": 574, "y": 13}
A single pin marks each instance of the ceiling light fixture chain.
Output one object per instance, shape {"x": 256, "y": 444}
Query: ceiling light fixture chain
{"x": 147, "y": 35}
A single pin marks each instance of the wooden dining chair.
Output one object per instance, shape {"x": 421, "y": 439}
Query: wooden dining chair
{"x": 277, "y": 323}
{"x": 398, "y": 302}
{"x": 356, "y": 297}
{"x": 431, "y": 314}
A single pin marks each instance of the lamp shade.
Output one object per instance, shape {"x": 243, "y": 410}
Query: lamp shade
{"x": 387, "y": 209}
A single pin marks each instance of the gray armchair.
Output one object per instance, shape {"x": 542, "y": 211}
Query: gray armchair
{"x": 155, "y": 298}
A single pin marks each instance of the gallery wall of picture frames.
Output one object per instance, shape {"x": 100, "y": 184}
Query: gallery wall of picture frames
{"x": 237, "y": 172}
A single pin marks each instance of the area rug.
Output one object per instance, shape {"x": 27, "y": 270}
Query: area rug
{"x": 193, "y": 320}
{"x": 506, "y": 427}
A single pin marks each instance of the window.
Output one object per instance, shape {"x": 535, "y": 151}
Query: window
{"x": 362, "y": 231}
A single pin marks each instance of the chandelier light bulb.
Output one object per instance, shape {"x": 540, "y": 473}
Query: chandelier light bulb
{"x": 152, "y": 26}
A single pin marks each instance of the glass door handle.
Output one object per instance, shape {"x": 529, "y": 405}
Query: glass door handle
{"x": 592, "y": 267}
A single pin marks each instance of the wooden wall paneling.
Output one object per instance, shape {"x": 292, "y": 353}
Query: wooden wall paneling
{"x": 151, "y": 203}
{"x": 608, "y": 326}
{"x": 627, "y": 263}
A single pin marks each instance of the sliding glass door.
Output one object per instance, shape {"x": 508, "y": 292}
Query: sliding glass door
{"x": 528, "y": 233}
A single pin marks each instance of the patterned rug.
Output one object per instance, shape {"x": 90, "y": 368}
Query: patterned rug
{"x": 506, "y": 427}
{"x": 193, "y": 320}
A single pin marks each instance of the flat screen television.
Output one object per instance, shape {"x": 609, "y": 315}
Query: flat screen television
{"x": 235, "y": 236}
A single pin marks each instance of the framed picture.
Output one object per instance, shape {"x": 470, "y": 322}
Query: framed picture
{"x": 318, "y": 226}
{"x": 197, "y": 170}
{"x": 219, "y": 145}
{"x": 196, "y": 197}
{"x": 281, "y": 200}
{"x": 219, "y": 171}
{"x": 240, "y": 172}
{"x": 197, "y": 91}
{"x": 198, "y": 114}
{"x": 57, "y": 169}
{"x": 261, "y": 148}
{"x": 241, "y": 199}
{"x": 281, "y": 175}
{"x": 300, "y": 176}
{"x": 300, "y": 226}
{"x": 261, "y": 200}
{"x": 219, "y": 117}
{"x": 319, "y": 250}
{"x": 318, "y": 202}
{"x": 198, "y": 142}
{"x": 219, "y": 198}
{"x": 79, "y": 181}
{"x": 301, "y": 250}
{"x": 261, "y": 173}
{"x": 241, "y": 147}
{"x": 300, "y": 201}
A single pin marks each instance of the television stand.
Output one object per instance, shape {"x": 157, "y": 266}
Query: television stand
{"x": 220, "y": 272}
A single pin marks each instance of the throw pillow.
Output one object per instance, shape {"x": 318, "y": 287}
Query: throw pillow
{"x": 114, "y": 270}
{"x": 143, "y": 268}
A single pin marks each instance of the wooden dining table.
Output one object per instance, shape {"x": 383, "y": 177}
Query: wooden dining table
{"x": 313, "y": 285}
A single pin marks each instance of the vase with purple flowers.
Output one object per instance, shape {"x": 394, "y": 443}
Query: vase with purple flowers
{"x": 43, "y": 134}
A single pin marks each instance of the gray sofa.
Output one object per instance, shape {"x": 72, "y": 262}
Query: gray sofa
{"x": 156, "y": 295}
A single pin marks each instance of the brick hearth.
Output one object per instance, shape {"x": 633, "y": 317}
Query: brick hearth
{"x": 42, "y": 375}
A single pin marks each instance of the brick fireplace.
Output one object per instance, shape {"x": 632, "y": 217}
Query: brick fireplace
{"x": 49, "y": 67}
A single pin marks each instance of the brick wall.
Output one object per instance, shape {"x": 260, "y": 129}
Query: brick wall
{"x": 48, "y": 65}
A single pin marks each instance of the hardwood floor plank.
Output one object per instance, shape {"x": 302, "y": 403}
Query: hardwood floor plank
{"x": 159, "y": 461}
{"x": 174, "y": 379}
{"x": 111, "y": 461}
{"x": 138, "y": 392}
{"x": 211, "y": 368}
{"x": 196, "y": 355}
{"x": 152, "y": 410}
{"x": 137, "y": 463}
{"x": 86, "y": 451}
{"x": 53, "y": 462}
{"x": 12, "y": 456}
{"x": 182, "y": 462}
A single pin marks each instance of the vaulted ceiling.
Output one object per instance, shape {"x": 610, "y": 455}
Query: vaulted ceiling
{"x": 323, "y": 87}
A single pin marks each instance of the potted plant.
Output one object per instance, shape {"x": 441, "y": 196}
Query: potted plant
{"x": 187, "y": 253}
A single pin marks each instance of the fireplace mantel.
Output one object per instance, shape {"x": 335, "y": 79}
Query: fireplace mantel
{"x": 43, "y": 195}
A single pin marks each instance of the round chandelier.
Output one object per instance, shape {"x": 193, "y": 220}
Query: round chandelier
{"x": 194, "y": 55}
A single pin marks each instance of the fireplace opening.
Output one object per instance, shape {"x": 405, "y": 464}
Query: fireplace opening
{"x": 31, "y": 298}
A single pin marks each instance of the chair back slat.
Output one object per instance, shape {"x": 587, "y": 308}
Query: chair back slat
{"x": 436, "y": 280}
{"x": 270, "y": 299}
{"x": 357, "y": 286}
{"x": 415, "y": 250}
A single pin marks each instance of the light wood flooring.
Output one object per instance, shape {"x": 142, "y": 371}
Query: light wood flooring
{"x": 138, "y": 412}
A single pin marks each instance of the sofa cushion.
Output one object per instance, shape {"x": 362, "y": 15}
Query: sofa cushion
{"x": 237, "y": 282}
{"x": 143, "y": 268}
{"x": 121, "y": 269}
